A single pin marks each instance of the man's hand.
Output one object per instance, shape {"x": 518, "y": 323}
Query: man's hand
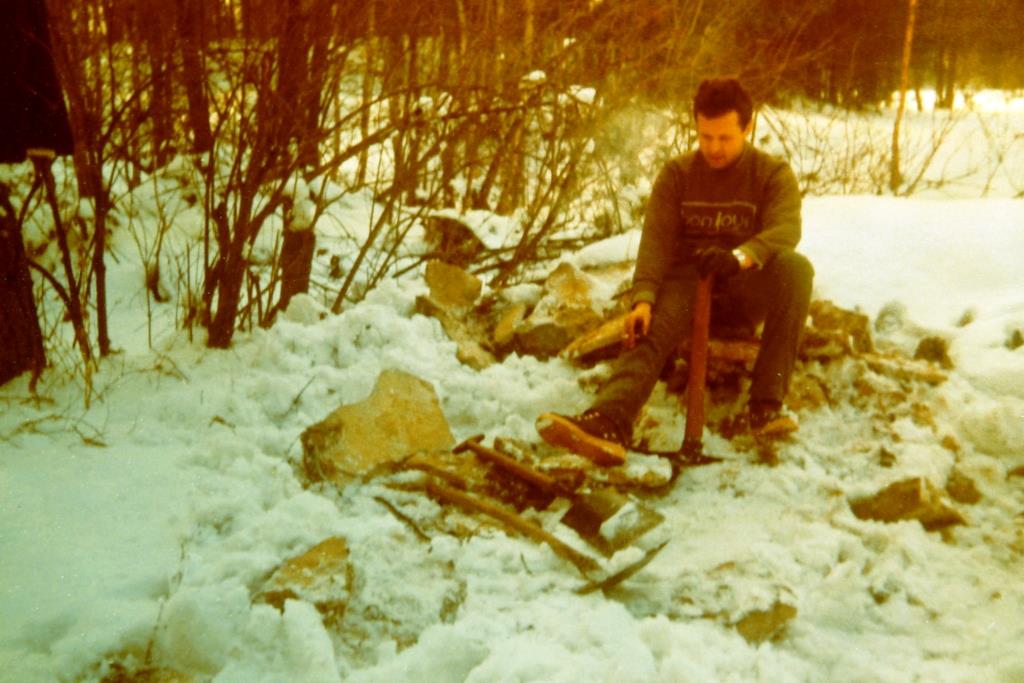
{"x": 638, "y": 323}
{"x": 718, "y": 261}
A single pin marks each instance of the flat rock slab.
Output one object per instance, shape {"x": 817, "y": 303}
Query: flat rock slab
{"x": 505, "y": 329}
{"x": 908, "y": 499}
{"x": 465, "y": 332}
{"x": 962, "y": 488}
{"x": 401, "y": 417}
{"x": 854, "y": 327}
{"x": 322, "y": 576}
{"x": 564, "y": 313}
{"x": 771, "y": 624}
{"x": 451, "y": 286}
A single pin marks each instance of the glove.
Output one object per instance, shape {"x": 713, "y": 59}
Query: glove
{"x": 718, "y": 261}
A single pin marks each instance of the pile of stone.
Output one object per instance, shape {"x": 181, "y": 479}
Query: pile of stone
{"x": 400, "y": 435}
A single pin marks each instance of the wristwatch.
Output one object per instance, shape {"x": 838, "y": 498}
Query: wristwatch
{"x": 743, "y": 257}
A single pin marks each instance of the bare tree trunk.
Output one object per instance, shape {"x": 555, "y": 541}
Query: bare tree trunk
{"x": 410, "y": 182}
{"x": 19, "y": 324}
{"x": 192, "y": 45}
{"x": 529, "y": 31}
{"x": 448, "y": 152}
{"x": 231, "y": 263}
{"x": 949, "y": 66}
{"x": 320, "y": 20}
{"x": 895, "y": 176}
{"x": 123, "y": 21}
{"x": 400, "y": 64}
{"x": 470, "y": 137}
{"x": 156, "y": 34}
{"x": 513, "y": 168}
{"x": 249, "y": 19}
{"x": 229, "y": 290}
{"x": 296, "y": 263}
{"x": 99, "y": 269}
{"x": 369, "y": 55}
{"x": 291, "y": 69}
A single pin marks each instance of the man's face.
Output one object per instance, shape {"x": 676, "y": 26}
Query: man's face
{"x": 721, "y": 138}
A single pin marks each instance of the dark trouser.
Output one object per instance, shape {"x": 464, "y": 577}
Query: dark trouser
{"x": 778, "y": 294}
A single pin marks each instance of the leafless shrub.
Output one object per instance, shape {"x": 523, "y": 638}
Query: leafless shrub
{"x": 834, "y": 151}
{"x": 422, "y": 106}
{"x": 1004, "y": 142}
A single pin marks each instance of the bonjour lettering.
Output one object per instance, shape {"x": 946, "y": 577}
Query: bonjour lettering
{"x": 730, "y": 219}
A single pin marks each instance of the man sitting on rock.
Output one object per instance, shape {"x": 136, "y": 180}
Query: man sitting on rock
{"x": 727, "y": 210}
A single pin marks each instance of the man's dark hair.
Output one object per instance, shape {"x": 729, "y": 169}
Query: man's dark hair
{"x": 718, "y": 96}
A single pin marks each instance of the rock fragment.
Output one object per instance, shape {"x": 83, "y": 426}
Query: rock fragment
{"x": 770, "y": 624}
{"x": 322, "y": 576}
{"x": 401, "y": 416}
{"x": 915, "y": 498}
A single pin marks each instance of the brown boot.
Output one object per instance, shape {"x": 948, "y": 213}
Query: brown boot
{"x": 591, "y": 435}
{"x": 771, "y": 419}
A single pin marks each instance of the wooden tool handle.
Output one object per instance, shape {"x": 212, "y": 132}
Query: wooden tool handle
{"x": 517, "y": 468}
{"x": 698, "y": 366}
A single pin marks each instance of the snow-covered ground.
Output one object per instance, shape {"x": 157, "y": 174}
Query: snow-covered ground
{"x": 137, "y": 529}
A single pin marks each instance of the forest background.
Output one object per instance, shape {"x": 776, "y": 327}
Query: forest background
{"x": 272, "y": 112}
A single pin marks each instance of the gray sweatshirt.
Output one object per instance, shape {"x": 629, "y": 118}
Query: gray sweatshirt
{"x": 753, "y": 204}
